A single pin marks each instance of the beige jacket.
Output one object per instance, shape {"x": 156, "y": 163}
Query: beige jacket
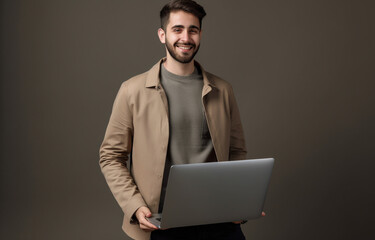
{"x": 139, "y": 125}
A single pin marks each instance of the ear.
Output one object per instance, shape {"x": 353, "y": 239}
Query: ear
{"x": 161, "y": 35}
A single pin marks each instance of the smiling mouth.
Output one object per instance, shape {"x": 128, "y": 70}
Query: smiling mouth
{"x": 185, "y": 47}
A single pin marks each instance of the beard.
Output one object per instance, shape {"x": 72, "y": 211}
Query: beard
{"x": 185, "y": 57}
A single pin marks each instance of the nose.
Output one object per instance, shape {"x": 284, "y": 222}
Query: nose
{"x": 185, "y": 36}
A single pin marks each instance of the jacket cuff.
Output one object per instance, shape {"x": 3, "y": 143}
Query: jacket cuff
{"x": 130, "y": 209}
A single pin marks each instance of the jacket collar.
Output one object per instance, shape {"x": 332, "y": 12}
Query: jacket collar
{"x": 153, "y": 76}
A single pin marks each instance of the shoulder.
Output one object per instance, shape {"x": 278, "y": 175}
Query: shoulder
{"x": 144, "y": 80}
{"x": 132, "y": 87}
{"x": 219, "y": 83}
{"x": 135, "y": 82}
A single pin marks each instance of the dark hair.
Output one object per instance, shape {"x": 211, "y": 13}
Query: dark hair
{"x": 188, "y": 6}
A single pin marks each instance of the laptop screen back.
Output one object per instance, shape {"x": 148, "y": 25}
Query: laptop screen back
{"x": 206, "y": 193}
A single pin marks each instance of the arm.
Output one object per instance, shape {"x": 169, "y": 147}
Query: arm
{"x": 114, "y": 152}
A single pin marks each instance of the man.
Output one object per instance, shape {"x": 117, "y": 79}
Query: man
{"x": 176, "y": 113}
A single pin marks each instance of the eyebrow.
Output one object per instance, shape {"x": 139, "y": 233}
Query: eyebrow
{"x": 182, "y": 26}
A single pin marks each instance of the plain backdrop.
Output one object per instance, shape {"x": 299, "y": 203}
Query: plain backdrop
{"x": 302, "y": 71}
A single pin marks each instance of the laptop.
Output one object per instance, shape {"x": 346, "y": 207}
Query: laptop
{"x": 215, "y": 192}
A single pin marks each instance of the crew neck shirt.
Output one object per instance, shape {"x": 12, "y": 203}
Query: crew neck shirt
{"x": 189, "y": 137}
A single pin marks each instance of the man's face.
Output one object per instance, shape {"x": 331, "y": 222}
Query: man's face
{"x": 181, "y": 36}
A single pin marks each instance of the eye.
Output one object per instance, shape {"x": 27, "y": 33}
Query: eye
{"x": 194, "y": 31}
{"x": 177, "y": 30}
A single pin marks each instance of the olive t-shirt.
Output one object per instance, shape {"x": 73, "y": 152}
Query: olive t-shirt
{"x": 189, "y": 137}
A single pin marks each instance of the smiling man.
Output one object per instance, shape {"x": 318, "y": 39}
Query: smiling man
{"x": 175, "y": 113}
{"x": 183, "y": 40}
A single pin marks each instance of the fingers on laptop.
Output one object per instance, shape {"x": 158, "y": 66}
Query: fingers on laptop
{"x": 144, "y": 224}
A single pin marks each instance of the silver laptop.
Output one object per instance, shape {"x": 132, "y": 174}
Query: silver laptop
{"x": 207, "y": 193}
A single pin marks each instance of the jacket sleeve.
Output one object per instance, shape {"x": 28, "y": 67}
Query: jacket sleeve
{"x": 114, "y": 152}
{"x": 237, "y": 150}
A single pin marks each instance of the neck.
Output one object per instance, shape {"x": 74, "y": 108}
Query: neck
{"x": 181, "y": 69}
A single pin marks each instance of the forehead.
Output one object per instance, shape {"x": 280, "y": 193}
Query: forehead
{"x": 182, "y": 18}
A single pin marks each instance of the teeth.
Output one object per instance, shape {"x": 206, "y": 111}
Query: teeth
{"x": 185, "y": 47}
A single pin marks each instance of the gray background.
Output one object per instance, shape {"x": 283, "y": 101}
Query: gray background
{"x": 302, "y": 70}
